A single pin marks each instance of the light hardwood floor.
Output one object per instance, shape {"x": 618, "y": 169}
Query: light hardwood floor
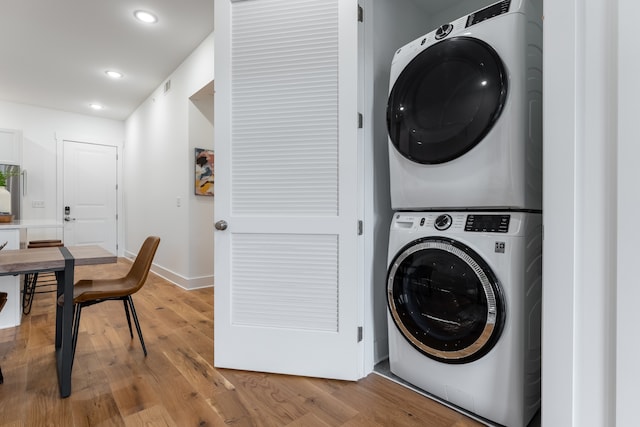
{"x": 177, "y": 385}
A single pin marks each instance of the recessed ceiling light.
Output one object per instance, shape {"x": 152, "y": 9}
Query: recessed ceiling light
{"x": 96, "y": 106}
{"x": 114, "y": 74}
{"x": 144, "y": 16}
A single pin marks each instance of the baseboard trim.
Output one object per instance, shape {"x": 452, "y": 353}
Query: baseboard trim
{"x": 177, "y": 279}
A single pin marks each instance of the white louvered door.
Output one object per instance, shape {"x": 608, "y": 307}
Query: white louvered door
{"x": 288, "y": 292}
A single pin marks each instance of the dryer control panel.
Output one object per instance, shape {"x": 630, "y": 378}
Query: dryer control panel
{"x": 488, "y": 12}
{"x": 487, "y": 223}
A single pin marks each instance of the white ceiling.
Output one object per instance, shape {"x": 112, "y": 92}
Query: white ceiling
{"x": 53, "y": 53}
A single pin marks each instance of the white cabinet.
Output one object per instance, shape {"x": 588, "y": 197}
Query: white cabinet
{"x": 10, "y": 146}
{"x": 12, "y": 312}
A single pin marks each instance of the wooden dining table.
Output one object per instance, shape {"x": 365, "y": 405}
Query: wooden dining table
{"x": 61, "y": 260}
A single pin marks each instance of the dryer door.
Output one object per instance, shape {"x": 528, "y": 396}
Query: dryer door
{"x": 445, "y": 300}
{"x": 446, "y": 100}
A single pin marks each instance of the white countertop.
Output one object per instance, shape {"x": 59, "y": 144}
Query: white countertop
{"x": 30, "y": 223}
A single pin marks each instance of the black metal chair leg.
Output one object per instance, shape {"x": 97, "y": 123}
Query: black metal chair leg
{"x": 76, "y": 327}
{"x": 135, "y": 319}
{"x": 126, "y": 310}
{"x": 28, "y": 291}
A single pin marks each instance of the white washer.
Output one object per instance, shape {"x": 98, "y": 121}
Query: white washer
{"x": 464, "y": 113}
{"x": 464, "y": 299}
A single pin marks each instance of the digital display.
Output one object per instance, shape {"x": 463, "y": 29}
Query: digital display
{"x": 487, "y": 223}
{"x": 488, "y": 12}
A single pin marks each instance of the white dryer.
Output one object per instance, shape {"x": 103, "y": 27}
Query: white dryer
{"x": 464, "y": 309}
{"x": 464, "y": 113}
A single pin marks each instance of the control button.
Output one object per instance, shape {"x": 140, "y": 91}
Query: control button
{"x": 422, "y": 222}
{"x": 443, "y": 31}
{"x": 442, "y": 222}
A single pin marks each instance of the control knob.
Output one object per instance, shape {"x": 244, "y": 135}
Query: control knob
{"x": 443, "y": 31}
{"x": 443, "y": 222}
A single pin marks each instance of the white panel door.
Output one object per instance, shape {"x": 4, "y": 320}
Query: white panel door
{"x": 288, "y": 292}
{"x": 90, "y": 195}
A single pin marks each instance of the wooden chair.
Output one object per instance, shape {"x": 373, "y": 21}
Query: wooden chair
{"x": 3, "y": 301}
{"x": 92, "y": 291}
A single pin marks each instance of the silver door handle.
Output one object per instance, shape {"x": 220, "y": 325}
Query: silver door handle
{"x": 24, "y": 182}
{"x": 221, "y": 225}
{"x": 68, "y": 219}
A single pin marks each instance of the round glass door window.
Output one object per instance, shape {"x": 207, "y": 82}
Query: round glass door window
{"x": 445, "y": 300}
{"x": 446, "y": 100}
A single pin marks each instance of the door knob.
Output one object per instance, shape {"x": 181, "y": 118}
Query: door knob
{"x": 221, "y": 225}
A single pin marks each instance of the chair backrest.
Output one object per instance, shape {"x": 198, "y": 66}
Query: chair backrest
{"x": 3, "y": 300}
{"x": 142, "y": 264}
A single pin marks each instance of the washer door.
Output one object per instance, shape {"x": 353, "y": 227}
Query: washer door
{"x": 445, "y": 300}
{"x": 446, "y": 100}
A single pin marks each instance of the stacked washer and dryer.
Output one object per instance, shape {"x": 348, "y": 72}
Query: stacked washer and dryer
{"x": 464, "y": 118}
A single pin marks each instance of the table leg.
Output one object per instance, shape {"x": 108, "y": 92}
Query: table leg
{"x": 59, "y": 292}
{"x": 64, "y": 324}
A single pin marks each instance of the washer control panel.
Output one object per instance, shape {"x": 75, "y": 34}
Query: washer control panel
{"x": 487, "y": 223}
{"x": 457, "y": 222}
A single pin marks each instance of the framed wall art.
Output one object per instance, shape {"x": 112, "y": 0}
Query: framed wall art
{"x": 204, "y": 161}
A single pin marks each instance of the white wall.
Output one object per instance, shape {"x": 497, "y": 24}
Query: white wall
{"x": 628, "y": 291}
{"x": 591, "y": 371}
{"x": 158, "y": 172}
{"x": 580, "y": 213}
{"x": 200, "y": 224}
{"x": 39, "y": 127}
